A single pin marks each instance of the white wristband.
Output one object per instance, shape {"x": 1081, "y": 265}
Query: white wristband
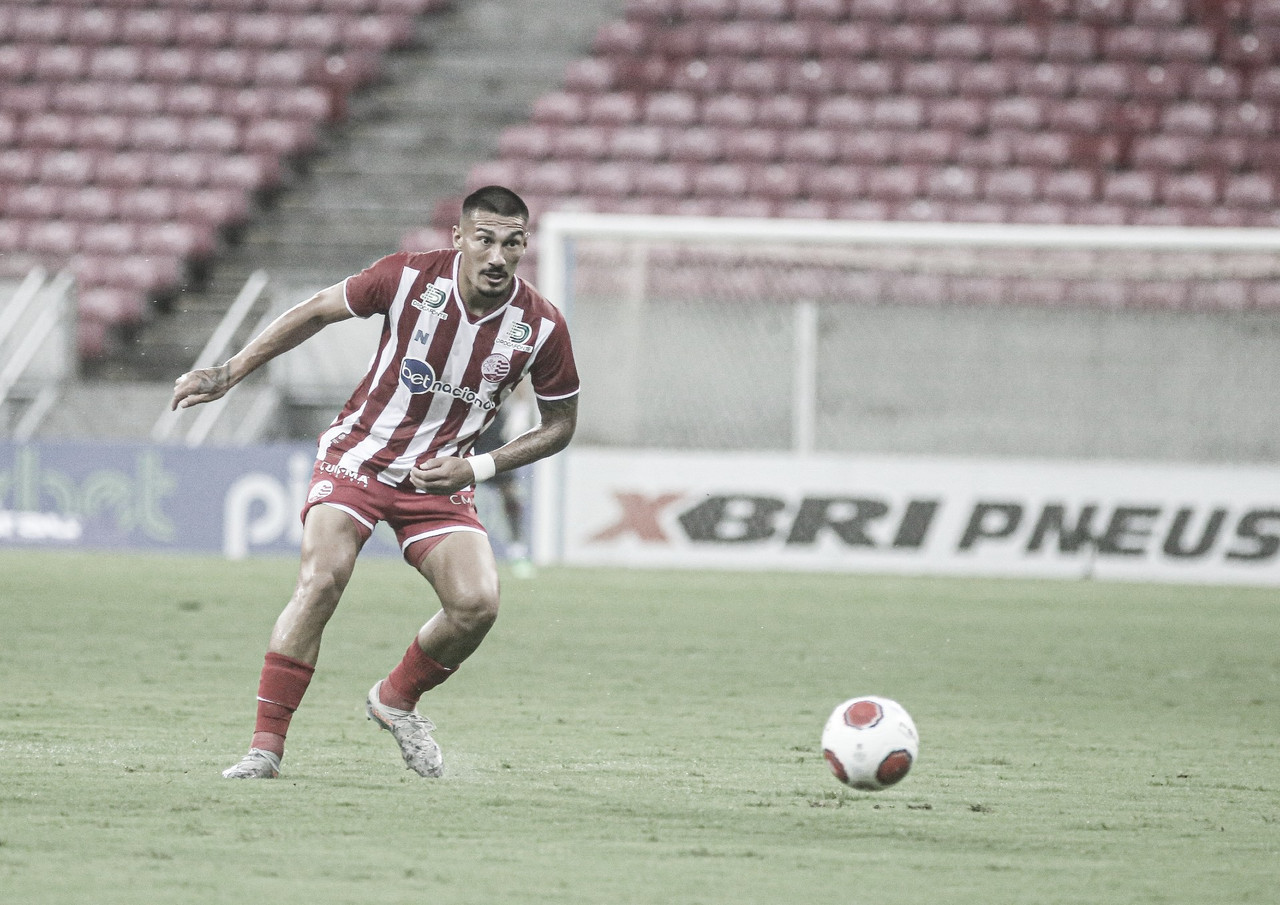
{"x": 483, "y": 467}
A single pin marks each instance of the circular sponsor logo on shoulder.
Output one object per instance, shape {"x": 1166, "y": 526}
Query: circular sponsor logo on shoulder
{"x": 496, "y": 367}
{"x": 320, "y": 490}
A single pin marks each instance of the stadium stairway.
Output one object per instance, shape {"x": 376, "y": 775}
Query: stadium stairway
{"x": 407, "y": 143}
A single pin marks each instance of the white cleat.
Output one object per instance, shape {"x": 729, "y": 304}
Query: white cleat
{"x": 257, "y": 764}
{"x": 412, "y": 731}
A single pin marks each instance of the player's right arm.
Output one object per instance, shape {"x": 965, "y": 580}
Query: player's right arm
{"x": 299, "y": 323}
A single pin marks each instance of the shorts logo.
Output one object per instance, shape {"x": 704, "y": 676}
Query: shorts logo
{"x": 417, "y": 375}
{"x": 346, "y": 474}
{"x": 321, "y": 490}
{"x": 431, "y": 301}
{"x": 517, "y": 337}
{"x": 496, "y": 367}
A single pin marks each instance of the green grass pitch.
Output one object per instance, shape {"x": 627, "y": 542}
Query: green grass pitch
{"x": 640, "y": 737}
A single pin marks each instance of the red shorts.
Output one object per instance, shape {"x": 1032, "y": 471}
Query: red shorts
{"x": 420, "y": 520}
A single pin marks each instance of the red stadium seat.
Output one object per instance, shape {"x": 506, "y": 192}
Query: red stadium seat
{"x": 33, "y": 202}
{"x": 148, "y": 26}
{"x": 957, "y": 115}
{"x": 1159, "y": 12}
{"x": 668, "y": 180}
{"x": 729, "y": 110}
{"x": 1247, "y": 119}
{"x": 181, "y": 240}
{"x": 91, "y": 203}
{"x": 1132, "y": 188}
{"x": 819, "y": 11}
{"x": 183, "y": 170}
{"x": 721, "y": 180}
{"x": 282, "y": 137}
{"x": 844, "y": 41}
{"x": 591, "y": 74}
{"x": 1189, "y": 189}
{"x": 109, "y": 238}
{"x": 775, "y": 181}
{"x": 952, "y": 183}
{"x": 613, "y": 109}
{"x": 71, "y": 167}
{"x": 44, "y": 24}
{"x": 809, "y": 145}
{"x": 929, "y": 79}
{"x": 613, "y": 179}
{"x": 56, "y": 238}
{"x": 637, "y": 143}
{"x": 1070, "y": 186}
{"x": 559, "y": 107}
{"x": 579, "y": 143}
{"x": 894, "y": 183}
{"x": 61, "y": 62}
{"x": 835, "y": 183}
{"x": 783, "y": 111}
{"x": 1249, "y": 190}
{"x": 700, "y": 144}
{"x": 1017, "y": 185}
{"x": 868, "y": 146}
{"x": 927, "y": 146}
{"x": 673, "y": 108}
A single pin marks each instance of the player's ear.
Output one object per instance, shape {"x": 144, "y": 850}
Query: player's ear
{"x": 457, "y": 237}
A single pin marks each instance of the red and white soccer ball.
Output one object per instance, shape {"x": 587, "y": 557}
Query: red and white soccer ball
{"x": 870, "y": 743}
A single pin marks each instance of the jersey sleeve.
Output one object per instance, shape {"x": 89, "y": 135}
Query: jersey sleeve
{"x": 372, "y": 290}
{"x": 554, "y": 374}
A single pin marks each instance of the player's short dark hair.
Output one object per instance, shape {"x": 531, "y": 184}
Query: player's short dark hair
{"x": 496, "y": 199}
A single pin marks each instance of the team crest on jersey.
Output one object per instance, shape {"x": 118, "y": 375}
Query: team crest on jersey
{"x": 496, "y": 367}
{"x": 517, "y": 337}
{"x": 432, "y": 301}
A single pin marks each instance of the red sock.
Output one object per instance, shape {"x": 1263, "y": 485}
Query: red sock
{"x": 416, "y": 675}
{"x": 280, "y": 689}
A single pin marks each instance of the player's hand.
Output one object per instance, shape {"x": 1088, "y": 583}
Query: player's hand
{"x": 204, "y": 385}
{"x": 445, "y": 475}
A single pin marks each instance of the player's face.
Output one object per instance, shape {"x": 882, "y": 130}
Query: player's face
{"x": 491, "y": 245}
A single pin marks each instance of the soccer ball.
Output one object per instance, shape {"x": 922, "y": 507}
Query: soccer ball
{"x": 870, "y": 742}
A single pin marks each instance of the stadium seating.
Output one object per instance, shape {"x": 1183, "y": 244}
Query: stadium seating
{"x": 134, "y": 136}
{"x": 1073, "y": 111}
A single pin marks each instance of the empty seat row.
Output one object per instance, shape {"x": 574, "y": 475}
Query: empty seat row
{"x": 65, "y": 238}
{"x": 224, "y": 66}
{"x": 65, "y": 40}
{"x": 165, "y": 133}
{"x": 304, "y": 102}
{"x": 1165, "y": 81}
{"x": 967, "y": 40}
{"x": 60, "y": 169}
{"x": 902, "y": 111}
{"x": 775, "y": 182}
{"x": 210, "y": 204}
{"x": 216, "y": 207}
{"x": 1094, "y": 12}
{"x": 52, "y": 15}
{"x": 868, "y": 144}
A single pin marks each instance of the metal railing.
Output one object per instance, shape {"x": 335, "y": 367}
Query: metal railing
{"x": 215, "y": 351}
{"x": 35, "y": 328}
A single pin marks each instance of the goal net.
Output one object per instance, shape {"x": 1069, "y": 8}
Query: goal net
{"x": 917, "y": 397}
{"x": 921, "y": 338}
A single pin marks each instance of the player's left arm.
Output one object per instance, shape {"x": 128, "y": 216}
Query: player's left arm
{"x": 451, "y": 473}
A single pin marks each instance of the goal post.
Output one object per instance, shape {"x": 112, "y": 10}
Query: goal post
{"x": 709, "y": 339}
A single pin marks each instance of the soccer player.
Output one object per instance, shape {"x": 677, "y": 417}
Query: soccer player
{"x": 460, "y": 331}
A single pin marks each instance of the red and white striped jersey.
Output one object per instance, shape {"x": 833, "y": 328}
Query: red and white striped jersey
{"x": 439, "y": 376}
